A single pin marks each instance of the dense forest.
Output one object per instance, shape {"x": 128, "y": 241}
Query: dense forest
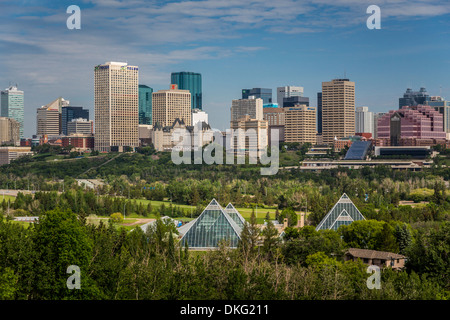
{"x": 406, "y": 212}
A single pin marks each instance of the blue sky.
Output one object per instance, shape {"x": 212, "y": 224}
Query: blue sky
{"x": 234, "y": 44}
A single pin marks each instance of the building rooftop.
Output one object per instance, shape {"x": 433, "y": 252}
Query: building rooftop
{"x": 374, "y": 254}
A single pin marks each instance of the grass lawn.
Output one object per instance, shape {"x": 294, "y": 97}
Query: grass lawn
{"x": 7, "y": 197}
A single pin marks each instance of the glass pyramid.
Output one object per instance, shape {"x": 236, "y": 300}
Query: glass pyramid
{"x": 235, "y": 215}
{"x": 344, "y": 212}
{"x": 212, "y": 226}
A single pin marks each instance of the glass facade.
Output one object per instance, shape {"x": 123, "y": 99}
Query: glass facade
{"x": 344, "y": 212}
{"x": 263, "y": 93}
{"x": 69, "y": 113}
{"x": 413, "y": 98}
{"x": 189, "y": 81}
{"x": 235, "y": 215}
{"x": 211, "y": 227}
{"x": 12, "y": 105}
{"x": 145, "y": 104}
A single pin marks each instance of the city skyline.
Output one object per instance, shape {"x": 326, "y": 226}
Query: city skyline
{"x": 234, "y": 45}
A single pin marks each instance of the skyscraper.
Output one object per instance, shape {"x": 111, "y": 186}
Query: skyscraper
{"x": 49, "y": 118}
{"x": 263, "y": 93}
{"x": 145, "y": 104}
{"x": 338, "y": 109}
{"x": 116, "y": 100}
{"x": 287, "y": 92}
{"x": 413, "y": 98}
{"x": 295, "y": 100}
{"x": 364, "y": 120}
{"x": 171, "y": 104}
{"x": 9, "y": 131}
{"x": 300, "y": 124}
{"x": 191, "y": 81}
{"x": 68, "y": 113}
{"x": 12, "y": 105}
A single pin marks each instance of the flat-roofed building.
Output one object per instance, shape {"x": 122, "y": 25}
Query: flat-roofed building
{"x": 300, "y": 124}
{"x": 168, "y": 105}
{"x": 338, "y": 109}
{"x": 116, "y": 103}
{"x": 251, "y": 106}
{"x": 80, "y": 126}
{"x": 8, "y": 154}
{"x": 9, "y": 131}
{"x": 249, "y": 136}
{"x": 275, "y": 121}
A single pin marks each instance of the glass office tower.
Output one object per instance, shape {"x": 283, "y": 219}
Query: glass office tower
{"x": 12, "y": 105}
{"x": 264, "y": 93}
{"x": 145, "y": 104}
{"x": 68, "y": 113}
{"x": 189, "y": 81}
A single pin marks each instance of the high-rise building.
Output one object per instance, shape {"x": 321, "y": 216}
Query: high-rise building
{"x": 116, "y": 99}
{"x": 145, "y": 104}
{"x": 295, "y": 100}
{"x": 338, "y": 109}
{"x": 12, "y": 105}
{"x": 80, "y": 126}
{"x": 48, "y": 118}
{"x": 287, "y": 92}
{"x": 300, "y": 124}
{"x": 252, "y": 107}
{"x": 443, "y": 107}
{"x": 68, "y": 113}
{"x": 191, "y": 81}
{"x": 199, "y": 116}
{"x": 413, "y": 98}
{"x": 411, "y": 126}
{"x": 171, "y": 104}
{"x": 263, "y": 93}
{"x": 9, "y": 131}
{"x": 364, "y": 120}
{"x": 319, "y": 113}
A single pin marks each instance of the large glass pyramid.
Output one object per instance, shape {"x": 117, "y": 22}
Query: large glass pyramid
{"x": 212, "y": 226}
{"x": 344, "y": 212}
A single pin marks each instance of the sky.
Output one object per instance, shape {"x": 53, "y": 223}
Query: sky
{"x": 234, "y": 44}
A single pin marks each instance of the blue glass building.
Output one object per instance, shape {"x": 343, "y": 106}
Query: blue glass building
{"x": 191, "y": 81}
{"x": 263, "y": 93}
{"x": 145, "y": 104}
{"x": 68, "y": 113}
{"x": 12, "y": 105}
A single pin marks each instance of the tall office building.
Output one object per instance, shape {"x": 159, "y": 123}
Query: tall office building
{"x": 48, "y": 118}
{"x": 287, "y": 92}
{"x": 116, "y": 100}
{"x": 68, "y": 113}
{"x": 9, "y": 131}
{"x": 319, "y": 113}
{"x": 364, "y": 120}
{"x": 12, "y": 105}
{"x": 413, "y": 98}
{"x": 443, "y": 107}
{"x": 263, "y": 93}
{"x": 171, "y": 104}
{"x": 376, "y": 116}
{"x": 338, "y": 109}
{"x": 191, "y": 81}
{"x": 252, "y": 107}
{"x": 145, "y": 104}
{"x": 275, "y": 120}
{"x": 300, "y": 124}
{"x": 249, "y": 136}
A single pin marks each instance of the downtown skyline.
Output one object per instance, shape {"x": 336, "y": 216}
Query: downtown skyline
{"x": 233, "y": 44}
